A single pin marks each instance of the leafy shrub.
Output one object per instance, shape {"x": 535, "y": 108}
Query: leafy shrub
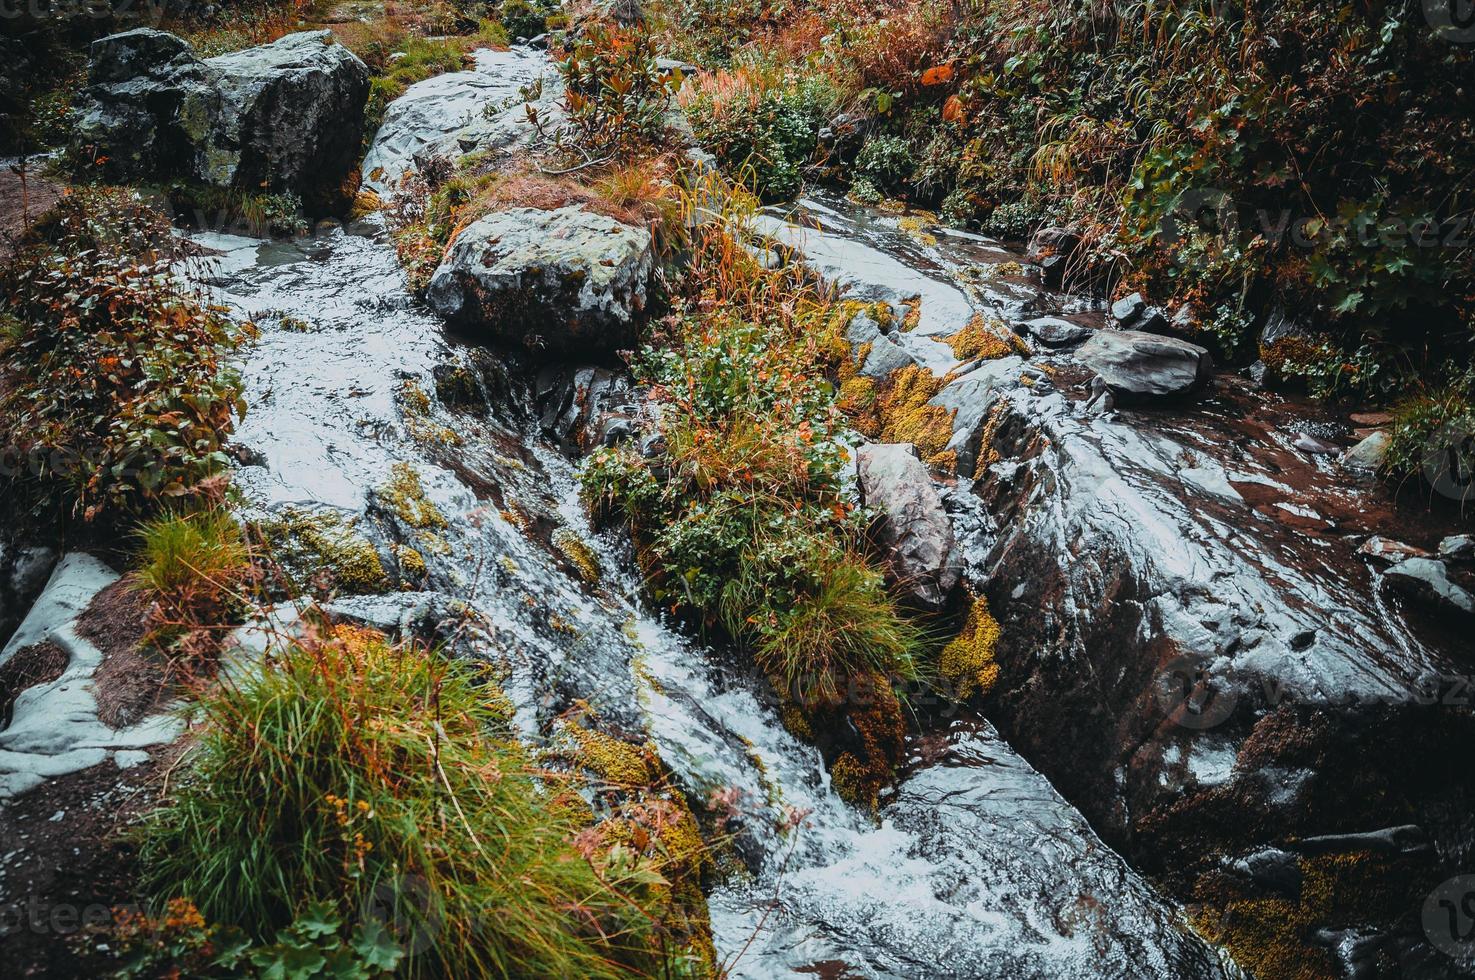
{"x": 886, "y": 161}
{"x": 347, "y": 779}
{"x": 116, "y": 394}
{"x": 317, "y": 944}
{"x": 762, "y": 128}
{"x": 744, "y": 521}
{"x": 523, "y": 19}
{"x": 615, "y": 95}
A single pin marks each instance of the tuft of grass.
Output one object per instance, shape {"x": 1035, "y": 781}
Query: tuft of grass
{"x": 346, "y": 773}
{"x": 192, "y": 568}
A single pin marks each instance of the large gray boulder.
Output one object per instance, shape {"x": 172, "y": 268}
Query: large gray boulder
{"x": 292, "y": 115}
{"x": 282, "y": 117}
{"x": 1143, "y": 365}
{"x": 915, "y": 529}
{"x": 556, "y": 282}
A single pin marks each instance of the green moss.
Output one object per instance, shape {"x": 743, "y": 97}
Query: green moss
{"x": 578, "y": 553}
{"x": 621, "y": 763}
{"x": 310, "y": 546}
{"x": 404, "y": 496}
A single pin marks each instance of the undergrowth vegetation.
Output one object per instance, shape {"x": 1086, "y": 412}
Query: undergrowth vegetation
{"x": 1228, "y": 161}
{"x": 744, "y": 521}
{"x": 419, "y": 841}
{"x": 115, "y": 395}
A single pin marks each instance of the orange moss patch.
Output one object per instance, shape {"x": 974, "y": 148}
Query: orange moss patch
{"x": 985, "y": 339}
{"x": 904, "y": 415}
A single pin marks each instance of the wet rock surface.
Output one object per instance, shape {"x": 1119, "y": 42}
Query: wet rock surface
{"x": 282, "y": 117}
{"x": 1191, "y": 648}
{"x": 331, "y": 425}
{"x": 1138, "y": 365}
{"x": 914, "y": 526}
{"x": 451, "y": 115}
{"x": 566, "y": 282}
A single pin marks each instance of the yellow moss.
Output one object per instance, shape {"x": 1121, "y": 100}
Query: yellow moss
{"x": 913, "y": 317}
{"x": 508, "y": 565}
{"x": 413, "y": 398}
{"x": 905, "y": 416}
{"x": 307, "y": 544}
{"x": 405, "y": 496}
{"x": 968, "y": 661}
{"x": 515, "y": 516}
{"x": 578, "y": 553}
{"x": 1005, "y": 269}
{"x": 1275, "y": 938}
{"x": 853, "y": 782}
{"x": 796, "y": 722}
{"x": 416, "y": 405}
{"x": 985, "y": 339}
{"x": 915, "y": 225}
{"x": 365, "y": 203}
{"x": 857, "y": 395}
{"x": 411, "y": 562}
{"x": 613, "y": 760}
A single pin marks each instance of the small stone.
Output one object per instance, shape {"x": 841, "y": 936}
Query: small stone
{"x": 1053, "y": 331}
{"x": 1368, "y": 455}
{"x": 1386, "y": 549}
{"x": 1371, "y": 419}
{"x": 1425, "y": 580}
{"x": 862, "y": 329}
{"x": 1126, "y": 309}
{"x": 1458, "y": 547}
{"x": 1315, "y": 446}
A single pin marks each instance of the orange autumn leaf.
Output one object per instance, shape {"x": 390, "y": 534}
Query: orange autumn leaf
{"x": 952, "y": 110}
{"x": 938, "y": 75}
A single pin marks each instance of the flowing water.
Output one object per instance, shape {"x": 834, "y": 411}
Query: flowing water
{"x": 973, "y": 866}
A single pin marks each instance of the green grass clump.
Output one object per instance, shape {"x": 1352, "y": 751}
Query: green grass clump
{"x": 345, "y": 773}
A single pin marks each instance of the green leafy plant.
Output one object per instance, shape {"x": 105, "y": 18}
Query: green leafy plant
{"x": 116, "y": 392}
{"x": 615, "y": 95}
